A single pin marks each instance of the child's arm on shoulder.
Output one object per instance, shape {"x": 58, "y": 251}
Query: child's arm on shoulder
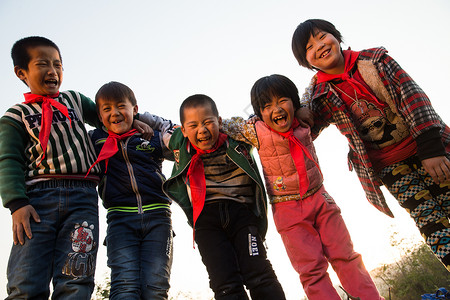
{"x": 154, "y": 121}
{"x": 240, "y": 130}
{"x": 90, "y": 114}
{"x": 13, "y": 140}
{"x": 310, "y": 111}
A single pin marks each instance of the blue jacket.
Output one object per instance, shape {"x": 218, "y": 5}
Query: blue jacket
{"x": 133, "y": 181}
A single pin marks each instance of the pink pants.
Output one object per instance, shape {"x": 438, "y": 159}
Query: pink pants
{"x": 314, "y": 234}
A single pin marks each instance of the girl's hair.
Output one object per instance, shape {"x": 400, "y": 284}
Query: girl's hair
{"x": 115, "y": 91}
{"x": 303, "y": 33}
{"x": 273, "y": 86}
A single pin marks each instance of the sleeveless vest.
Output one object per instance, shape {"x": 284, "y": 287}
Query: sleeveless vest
{"x": 279, "y": 169}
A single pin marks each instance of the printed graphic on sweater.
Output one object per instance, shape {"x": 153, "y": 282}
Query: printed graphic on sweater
{"x": 80, "y": 262}
{"x": 35, "y": 120}
{"x": 379, "y": 127}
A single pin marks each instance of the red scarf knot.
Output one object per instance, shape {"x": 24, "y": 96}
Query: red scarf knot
{"x": 350, "y": 58}
{"x": 110, "y": 147}
{"x": 47, "y": 116}
{"x": 298, "y": 152}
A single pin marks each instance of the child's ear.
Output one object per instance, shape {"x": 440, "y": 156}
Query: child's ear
{"x": 220, "y": 123}
{"x": 183, "y": 131}
{"x": 135, "y": 110}
{"x": 20, "y": 73}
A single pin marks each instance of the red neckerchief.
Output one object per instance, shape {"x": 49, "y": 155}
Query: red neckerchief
{"x": 350, "y": 58}
{"x": 196, "y": 177}
{"x": 298, "y": 150}
{"x": 110, "y": 147}
{"x": 47, "y": 116}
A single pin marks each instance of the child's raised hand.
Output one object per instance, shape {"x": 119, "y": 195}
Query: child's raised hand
{"x": 144, "y": 129}
{"x": 305, "y": 117}
{"x": 438, "y": 167}
{"x": 21, "y": 223}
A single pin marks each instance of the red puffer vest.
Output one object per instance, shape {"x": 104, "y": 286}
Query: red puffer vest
{"x": 279, "y": 169}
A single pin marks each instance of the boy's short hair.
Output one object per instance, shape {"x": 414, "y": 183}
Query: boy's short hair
{"x": 273, "y": 86}
{"x": 303, "y": 33}
{"x": 115, "y": 91}
{"x": 195, "y": 101}
{"x": 19, "y": 52}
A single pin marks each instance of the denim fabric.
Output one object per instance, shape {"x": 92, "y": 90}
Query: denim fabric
{"x": 64, "y": 244}
{"x": 233, "y": 253}
{"x": 139, "y": 248}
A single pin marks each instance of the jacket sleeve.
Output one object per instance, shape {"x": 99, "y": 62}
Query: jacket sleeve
{"x": 415, "y": 107}
{"x": 13, "y": 140}
{"x": 319, "y": 110}
{"x": 238, "y": 129}
{"x": 90, "y": 115}
{"x": 155, "y": 121}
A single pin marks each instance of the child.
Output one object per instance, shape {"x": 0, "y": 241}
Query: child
{"x": 45, "y": 153}
{"x": 395, "y": 136}
{"x": 216, "y": 182}
{"x": 139, "y": 233}
{"x": 307, "y": 218}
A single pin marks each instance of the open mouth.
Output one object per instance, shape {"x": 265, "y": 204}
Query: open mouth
{"x": 280, "y": 120}
{"x": 325, "y": 53}
{"x": 116, "y": 122}
{"x": 203, "y": 140}
{"x": 51, "y": 82}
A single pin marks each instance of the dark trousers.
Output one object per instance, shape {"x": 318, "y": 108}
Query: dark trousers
{"x": 233, "y": 253}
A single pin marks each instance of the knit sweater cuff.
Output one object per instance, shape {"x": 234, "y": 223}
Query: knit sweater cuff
{"x": 16, "y": 204}
{"x": 429, "y": 144}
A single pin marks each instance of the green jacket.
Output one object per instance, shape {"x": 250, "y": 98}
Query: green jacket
{"x": 239, "y": 153}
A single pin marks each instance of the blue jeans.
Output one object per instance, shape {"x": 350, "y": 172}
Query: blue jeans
{"x": 233, "y": 252}
{"x": 64, "y": 244}
{"x": 139, "y": 248}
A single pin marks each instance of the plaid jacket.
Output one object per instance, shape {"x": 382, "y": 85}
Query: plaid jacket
{"x": 398, "y": 90}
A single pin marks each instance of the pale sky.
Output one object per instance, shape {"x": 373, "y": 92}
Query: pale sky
{"x": 168, "y": 50}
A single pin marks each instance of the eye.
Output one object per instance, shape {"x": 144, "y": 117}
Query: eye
{"x": 322, "y": 35}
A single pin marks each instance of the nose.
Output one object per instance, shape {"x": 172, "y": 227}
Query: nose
{"x": 320, "y": 46}
{"x": 202, "y": 129}
{"x": 114, "y": 111}
{"x": 52, "y": 70}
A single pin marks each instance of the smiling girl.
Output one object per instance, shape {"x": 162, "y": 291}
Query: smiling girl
{"x": 395, "y": 136}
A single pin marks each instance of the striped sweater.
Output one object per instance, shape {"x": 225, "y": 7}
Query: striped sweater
{"x": 69, "y": 151}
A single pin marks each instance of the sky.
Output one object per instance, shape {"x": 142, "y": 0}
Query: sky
{"x": 168, "y": 50}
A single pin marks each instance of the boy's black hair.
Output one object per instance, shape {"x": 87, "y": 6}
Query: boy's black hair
{"x": 115, "y": 91}
{"x": 303, "y": 33}
{"x": 195, "y": 101}
{"x": 19, "y": 52}
{"x": 273, "y": 86}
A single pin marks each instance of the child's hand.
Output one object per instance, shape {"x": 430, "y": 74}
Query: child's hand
{"x": 438, "y": 167}
{"x": 143, "y": 128}
{"x": 253, "y": 120}
{"x": 21, "y": 223}
{"x": 305, "y": 117}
